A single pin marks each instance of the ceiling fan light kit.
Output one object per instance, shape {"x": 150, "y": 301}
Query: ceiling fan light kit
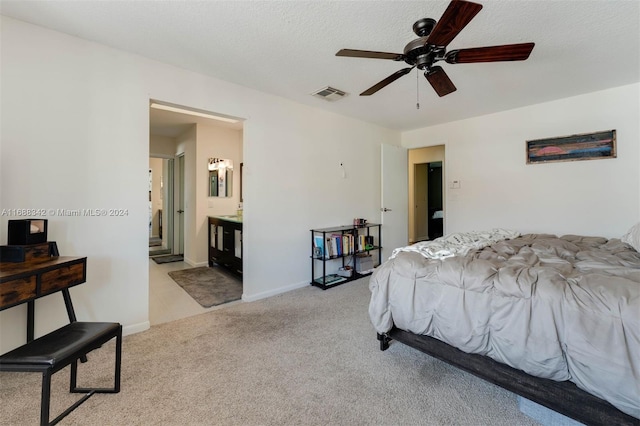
{"x": 430, "y": 47}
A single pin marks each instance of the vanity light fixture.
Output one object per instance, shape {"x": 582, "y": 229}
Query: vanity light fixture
{"x": 219, "y": 164}
{"x": 174, "y": 108}
{"x": 213, "y": 164}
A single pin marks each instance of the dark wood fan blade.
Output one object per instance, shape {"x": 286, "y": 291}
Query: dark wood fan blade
{"x": 458, "y": 14}
{"x": 393, "y": 77}
{"x": 507, "y": 52}
{"x": 440, "y": 81}
{"x": 369, "y": 54}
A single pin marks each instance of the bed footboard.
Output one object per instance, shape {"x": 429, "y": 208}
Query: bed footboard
{"x": 563, "y": 397}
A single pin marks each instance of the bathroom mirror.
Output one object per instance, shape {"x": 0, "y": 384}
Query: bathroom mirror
{"x": 220, "y": 177}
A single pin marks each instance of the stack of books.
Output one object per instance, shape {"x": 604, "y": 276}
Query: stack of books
{"x": 335, "y": 245}
{"x": 330, "y": 279}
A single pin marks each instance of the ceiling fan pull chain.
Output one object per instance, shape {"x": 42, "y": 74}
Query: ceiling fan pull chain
{"x": 417, "y": 91}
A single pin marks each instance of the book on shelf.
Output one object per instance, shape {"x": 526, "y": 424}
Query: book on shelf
{"x": 347, "y": 243}
{"x": 361, "y": 243}
{"x": 330, "y": 279}
{"x": 336, "y": 244}
{"x": 318, "y": 242}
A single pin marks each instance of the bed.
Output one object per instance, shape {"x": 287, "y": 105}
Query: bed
{"x": 554, "y": 319}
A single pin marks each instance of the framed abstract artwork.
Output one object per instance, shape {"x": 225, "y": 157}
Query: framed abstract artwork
{"x": 586, "y": 146}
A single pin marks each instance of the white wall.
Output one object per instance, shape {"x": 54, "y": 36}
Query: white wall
{"x": 75, "y": 134}
{"x": 162, "y": 146}
{"x": 498, "y": 189}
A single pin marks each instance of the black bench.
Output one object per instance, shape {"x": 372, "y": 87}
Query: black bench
{"x": 60, "y": 348}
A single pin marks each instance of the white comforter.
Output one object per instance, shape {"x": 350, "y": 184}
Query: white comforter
{"x": 561, "y": 308}
{"x": 458, "y": 243}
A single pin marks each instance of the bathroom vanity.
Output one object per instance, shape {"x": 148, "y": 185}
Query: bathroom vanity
{"x": 225, "y": 243}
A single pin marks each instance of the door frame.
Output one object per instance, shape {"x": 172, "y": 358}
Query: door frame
{"x": 167, "y": 194}
{"x": 178, "y": 205}
{"x": 168, "y": 202}
{"x": 420, "y": 203}
{"x": 413, "y": 158}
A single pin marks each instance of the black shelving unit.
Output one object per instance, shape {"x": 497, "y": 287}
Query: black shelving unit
{"x": 361, "y": 253}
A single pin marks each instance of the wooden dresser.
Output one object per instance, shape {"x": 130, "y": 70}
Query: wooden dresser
{"x": 24, "y": 282}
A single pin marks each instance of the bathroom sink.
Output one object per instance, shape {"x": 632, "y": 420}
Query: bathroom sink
{"x": 233, "y": 218}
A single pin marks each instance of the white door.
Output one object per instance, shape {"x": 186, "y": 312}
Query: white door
{"x": 394, "y": 214}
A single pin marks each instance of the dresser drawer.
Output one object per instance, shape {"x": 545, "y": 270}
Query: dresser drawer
{"x": 16, "y": 291}
{"x": 60, "y": 278}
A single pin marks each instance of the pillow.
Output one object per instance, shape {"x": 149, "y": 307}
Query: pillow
{"x": 632, "y": 237}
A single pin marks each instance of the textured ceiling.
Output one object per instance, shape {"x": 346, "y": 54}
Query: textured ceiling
{"x": 288, "y": 48}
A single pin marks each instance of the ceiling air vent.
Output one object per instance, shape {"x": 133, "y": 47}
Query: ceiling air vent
{"x": 329, "y": 94}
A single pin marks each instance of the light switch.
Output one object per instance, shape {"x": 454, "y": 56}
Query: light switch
{"x": 455, "y": 184}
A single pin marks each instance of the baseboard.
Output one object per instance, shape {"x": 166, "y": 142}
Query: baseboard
{"x": 273, "y": 292}
{"x": 194, "y": 263}
{"x": 135, "y": 328}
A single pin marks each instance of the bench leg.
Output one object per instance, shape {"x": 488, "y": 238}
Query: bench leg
{"x": 116, "y": 381}
{"x": 45, "y": 400}
{"x": 74, "y": 376}
{"x": 88, "y": 392}
{"x": 116, "y": 385}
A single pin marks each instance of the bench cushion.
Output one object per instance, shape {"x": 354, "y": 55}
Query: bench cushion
{"x": 72, "y": 340}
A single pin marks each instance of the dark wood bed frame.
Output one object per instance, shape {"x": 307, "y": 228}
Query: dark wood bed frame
{"x": 564, "y": 397}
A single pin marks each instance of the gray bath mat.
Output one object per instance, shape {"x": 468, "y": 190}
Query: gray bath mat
{"x": 168, "y": 258}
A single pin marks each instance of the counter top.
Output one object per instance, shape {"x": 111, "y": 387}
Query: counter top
{"x": 230, "y": 218}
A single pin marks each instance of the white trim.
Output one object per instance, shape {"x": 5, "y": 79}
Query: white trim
{"x": 194, "y": 263}
{"x": 135, "y": 328}
{"x": 191, "y": 111}
{"x": 273, "y": 292}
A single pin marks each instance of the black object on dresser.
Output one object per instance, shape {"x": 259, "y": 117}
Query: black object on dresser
{"x": 225, "y": 243}
{"x": 355, "y": 246}
{"x": 27, "y": 231}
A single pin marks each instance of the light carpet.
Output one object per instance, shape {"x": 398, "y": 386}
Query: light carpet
{"x": 306, "y": 357}
{"x": 208, "y": 286}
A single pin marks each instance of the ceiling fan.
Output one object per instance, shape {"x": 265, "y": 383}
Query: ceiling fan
{"x": 430, "y": 48}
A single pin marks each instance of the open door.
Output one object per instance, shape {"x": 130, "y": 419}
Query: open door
{"x": 394, "y": 215}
